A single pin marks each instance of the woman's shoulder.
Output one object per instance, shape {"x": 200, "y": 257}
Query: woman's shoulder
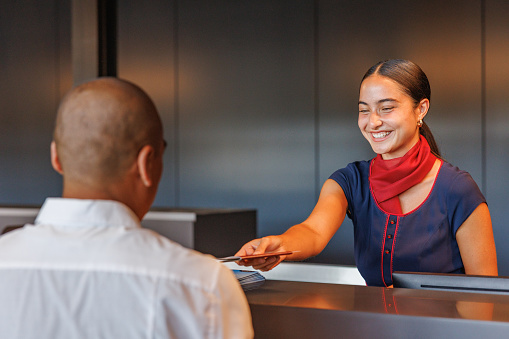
{"x": 356, "y": 167}
{"x": 450, "y": 172}
{"x": 457, "y": 182}
{"x": 354, "y": 174}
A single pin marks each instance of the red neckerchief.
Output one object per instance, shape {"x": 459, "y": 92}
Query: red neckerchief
{"x": 390, "y": 178}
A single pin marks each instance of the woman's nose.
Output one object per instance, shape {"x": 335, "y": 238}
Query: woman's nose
{"x": 374, "y": 120}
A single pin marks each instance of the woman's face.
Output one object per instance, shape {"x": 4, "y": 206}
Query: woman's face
{"x": 388, "y": 117}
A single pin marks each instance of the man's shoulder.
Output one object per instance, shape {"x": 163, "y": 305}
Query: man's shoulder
{"x": 176, "y": 262}
{"x": 135, "y": 251}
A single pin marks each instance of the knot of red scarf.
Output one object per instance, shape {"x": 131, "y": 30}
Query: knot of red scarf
{"x": 390, "y": 178}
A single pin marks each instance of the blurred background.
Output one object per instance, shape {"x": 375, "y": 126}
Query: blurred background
{"x": 259, "y": 98}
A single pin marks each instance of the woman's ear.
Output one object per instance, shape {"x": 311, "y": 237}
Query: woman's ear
{"x": 55, "y": 161}
{"x": 145, "y": 163}
{"x": 423, "y": 108}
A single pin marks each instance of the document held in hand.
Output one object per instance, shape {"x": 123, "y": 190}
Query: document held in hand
{"x": 253, "y": 256}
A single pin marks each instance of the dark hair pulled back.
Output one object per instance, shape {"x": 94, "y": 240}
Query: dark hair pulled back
{"x": 414, "y": 82}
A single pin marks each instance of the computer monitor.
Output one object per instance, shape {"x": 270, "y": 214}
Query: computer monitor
{"x": 452, "y": 282}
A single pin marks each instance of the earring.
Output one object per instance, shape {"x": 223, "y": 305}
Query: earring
{"x": 419, "y": 123}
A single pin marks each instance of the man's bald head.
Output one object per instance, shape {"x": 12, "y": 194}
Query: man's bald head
{"x": 100, "y": 128}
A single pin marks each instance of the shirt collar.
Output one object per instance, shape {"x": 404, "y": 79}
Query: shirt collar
{"x": 86, "y": 213}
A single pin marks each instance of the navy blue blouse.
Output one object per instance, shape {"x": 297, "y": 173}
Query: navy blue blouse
{"x": 423, "y": 240}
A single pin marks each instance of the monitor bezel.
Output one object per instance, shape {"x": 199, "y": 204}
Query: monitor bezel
{"x": 451, "y": 282}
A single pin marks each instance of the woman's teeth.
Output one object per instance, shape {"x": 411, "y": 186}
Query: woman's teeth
{"x": 380, "y": 135}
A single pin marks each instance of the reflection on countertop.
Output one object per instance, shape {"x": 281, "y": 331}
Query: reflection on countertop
{"x": 410, "y": 302}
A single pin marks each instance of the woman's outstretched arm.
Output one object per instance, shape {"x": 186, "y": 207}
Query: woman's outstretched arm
{"x": 306, "y": 239}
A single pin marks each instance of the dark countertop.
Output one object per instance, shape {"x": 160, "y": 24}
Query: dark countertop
{"x": 283, "y": 309}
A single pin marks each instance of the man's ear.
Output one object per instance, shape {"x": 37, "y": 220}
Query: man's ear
{"x": 55, "y": 162}
{"x": 145, "y": 163}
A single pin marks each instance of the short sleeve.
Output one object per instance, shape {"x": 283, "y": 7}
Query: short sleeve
{"x": 463, "y": 198}
{"x": 351, "y": 179}
{"x": 341, "y": 177}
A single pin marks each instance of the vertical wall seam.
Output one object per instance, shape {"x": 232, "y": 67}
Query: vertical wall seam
{"x": 316, "y": 46}
{"x": 58, "y": 49}
{"x": 176, "y": 112}
{"x": 483, "y": 99}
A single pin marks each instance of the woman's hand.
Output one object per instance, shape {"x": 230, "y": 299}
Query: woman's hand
{"x": 306, "y": 239}
{"x": 268, "y": 244}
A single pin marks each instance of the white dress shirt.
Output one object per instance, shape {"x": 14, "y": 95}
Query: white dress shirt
{"x": 87, "y": 269}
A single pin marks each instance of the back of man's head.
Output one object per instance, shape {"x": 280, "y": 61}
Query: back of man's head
{"x": 101, "y": 126}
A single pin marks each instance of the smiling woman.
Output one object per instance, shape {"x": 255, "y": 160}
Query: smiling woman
{"x": 401, "y": 85}
{"x": 393, "y": 99}
{"x": 411, "y": 210}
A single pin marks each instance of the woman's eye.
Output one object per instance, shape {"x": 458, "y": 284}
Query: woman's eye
{"x": 363, "y": 111}
{"x": 387, "y": 109}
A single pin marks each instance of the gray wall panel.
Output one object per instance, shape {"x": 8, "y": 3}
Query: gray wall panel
{"x": 146, "y": 56}
{"x": 497, "y": 124}
{"x": 246, "y": 108}
{"x": 34, "y": 74}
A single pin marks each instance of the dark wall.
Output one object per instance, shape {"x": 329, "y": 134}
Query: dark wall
{"x": 235, "y": 83}
{"x": 496, "y": 105}
{"x": 35, "y": 71}
{"x": 258, "y": 98}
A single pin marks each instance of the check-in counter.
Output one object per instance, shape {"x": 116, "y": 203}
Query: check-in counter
{"x": 290, "y": 309}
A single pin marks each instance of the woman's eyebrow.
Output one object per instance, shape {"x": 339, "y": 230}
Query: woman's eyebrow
{"x": 379, "y": 101}
{"x": 387, "y": 100}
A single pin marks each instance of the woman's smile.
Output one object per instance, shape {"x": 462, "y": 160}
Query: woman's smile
{"x": 380, "y": 136}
